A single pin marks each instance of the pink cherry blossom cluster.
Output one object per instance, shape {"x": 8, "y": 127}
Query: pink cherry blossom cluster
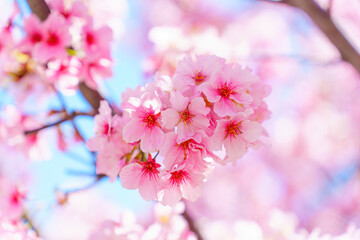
{"x": 14, "y": 177}
{"x": 167, "y": 223}
{"x": 14, "y": 230}
{"x": 173, "y": 129}
{"x": 65, "y": 49}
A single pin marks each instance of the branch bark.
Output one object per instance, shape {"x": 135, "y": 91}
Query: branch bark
{"x": 323, "y": 21}
{"x": 67, "y": 118}
{"x": 192, "y": 225}
{"x": 39, "y": 8}
{"x": 92, "y": 97}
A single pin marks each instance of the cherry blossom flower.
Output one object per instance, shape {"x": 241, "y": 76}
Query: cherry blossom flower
{"x": 16, "y": 229}
{"x": 144, "y": 126}
{"x": 77, "y": 9}
{"x": 191, "y": 152}
{"x": 180, "y": 183}
{"x": 6, "y": 42}
{"x": 227, "y": 89}
{"x": 56, "y": 39}
{"x": 188, "y": 116}
{"x": 142, "y": 175}
{"x": 64, "y": 73}
{"x": 235, "y": 134}
{"x": 34, "y": 30}
{"x": 108, "y": 142}
{"x": 95, "y": 68}
{"x": 194, "y": 71}
{"x": 97, "y": 40}
{"x": 107, "y": 125}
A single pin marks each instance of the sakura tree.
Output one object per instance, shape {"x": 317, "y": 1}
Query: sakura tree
{"x": 241, "y": 121}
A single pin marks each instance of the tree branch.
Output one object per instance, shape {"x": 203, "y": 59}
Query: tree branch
{"x": 323, "y": 21}
{"x": 66, "y": 118}
{"x": 192, "y": 225}
{"x": 92, "y": 96}
{"x": 39, "y": 8}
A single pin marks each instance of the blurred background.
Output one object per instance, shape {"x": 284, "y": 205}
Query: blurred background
{"x": 308, "y": 174}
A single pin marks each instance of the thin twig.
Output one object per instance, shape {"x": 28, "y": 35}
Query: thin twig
{"x": 66, "y": 118}
{"x": 30, "y": 223}
{"x": 86, "y": 187}
{"x": 63, "y": 103}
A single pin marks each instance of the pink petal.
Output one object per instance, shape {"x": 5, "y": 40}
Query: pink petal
{"x": 198, "y": 106}
{"x": 104, "y": 108}
{"x": 235, "y": 148}
{"x": 190, "y": 192}
{"x": 169, "y": 118}
{"x": 184, "y": 131}
{"x": 172, "y": 195}
{"x": 211, "y": 93}
{"x": 241, "y": 97}
{"x": 200, "y": 122}
{"x": 178, "y": 101}
{"x": 225, "y": 107}
{"x": 94, "y": 143}
{"x": 218, "y": 137}
{"x": 109, "y": 166}
{"x": 251, "y": 131}
{"x": 130, "y": 176}
{"x": 133, "y": 131}
{"x": 169, "y": 142}
{"x": 148, "y": 187}
{"x": 152, "y": 140}
{"x": 175, "y": 156}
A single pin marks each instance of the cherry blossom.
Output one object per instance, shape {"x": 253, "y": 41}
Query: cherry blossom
{"x": 196, "y": 70}
{"x": 144, "y": 126}
{"x": 227, "y": 89}
{"x": 236, "y": 134}
{"x": 188, "y": 116}
{"x": 181, "y": 182}
{"x": 142, "y": 175}
{"x": 55, "y": 41}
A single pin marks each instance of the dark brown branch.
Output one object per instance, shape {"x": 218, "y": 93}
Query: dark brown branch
{"x": 323, "y": 21}
{"x": 66, "y": 118}
{"x": 62, "y": 102}
{"x": 92, "y": 97}
{"x": 39, "y": 8}
{"x": 192, "y": 225}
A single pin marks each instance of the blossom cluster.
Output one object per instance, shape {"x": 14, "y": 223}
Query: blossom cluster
{"x": 315, "y": 131}
{"x": 61, "y": 51}
{"x": 14, "y": 230}
{"x": 172, "y": 130}
{"x": 14, "y": 178}
{"x": 168, "y": 223}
